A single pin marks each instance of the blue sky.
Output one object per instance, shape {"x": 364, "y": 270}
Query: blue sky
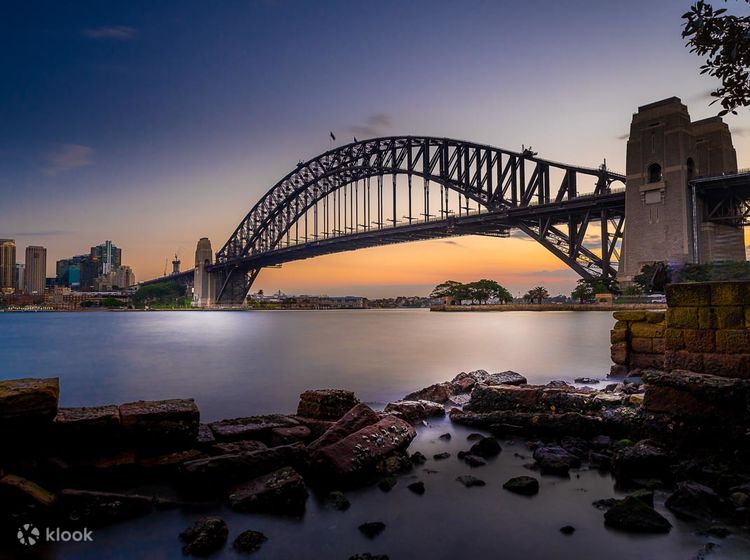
{"x": 156, "y": 123}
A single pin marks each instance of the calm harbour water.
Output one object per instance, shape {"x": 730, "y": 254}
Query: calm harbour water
{"x": 237, "y": 364}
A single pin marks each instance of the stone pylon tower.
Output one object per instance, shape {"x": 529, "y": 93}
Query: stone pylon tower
{"x": 203, "y": 282}
{"x": 663, "y": 220}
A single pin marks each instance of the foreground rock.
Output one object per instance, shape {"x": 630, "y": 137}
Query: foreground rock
{"x": 207, "y": 535}
{"x": 251, "y": 427}
{"x": 358, "y": 453}
{"x": 470, "y": 481}
{"x": 524, "y": 485}
{"x": 29, "y": 400}
{"x": 360, "y": 416}
{"x": 79, "y": 426}
{"x": 326, "y": 404}
{"x": 249, "y": 541}
{"x": 464, "y": 382}
{"x": 439, "y": 393}
{"x": 695, "y": 501}
{"x": 169, "y": 422}
{"x": 644, "y": 460}
{"x": 372, "y": 529}
{"x": 282, "y": 491}
{"x": 486, "y": 447}
{"x": 102, "y": 508}
{"x": 415, "y": 411}
{"x": 631, "y": 514}
{"x": 555, "y": 460}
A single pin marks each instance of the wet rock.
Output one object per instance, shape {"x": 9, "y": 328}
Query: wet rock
{"x": 705, "y": 550}
{"x": 417, "y": 487}
{"x": 605, "y": 503}
{"x": 359, "y": 452}
{"x": 537, "y": 423}
{"x": 646, "y": 495}
{"x": 445, "y": 437}
{"x": 586, "y": 380}
{"x": 642, "y": 460}
{"x": 387, "y": 484}
{"x": 470, "y": 481}
{"x": 222, "y": 470}
{"x": 360, "y": 416}
{"x": 207, "y": 535}
{"x": 287, "y": 435}
{"x": 441, "y": 456}
{"x": 718, "y": 531}
{"x": 631, "y": 514}
{"x": 282, "y": 491}
{"x": 368, "y": 556}
{"x": 439, "y": 393}
{"x": 600, "y": 461}
{"x": 486, "y": 398}
{"x": 486, "y": 447}
{"x": 525, "y": 485}
{"x": 475, "y": 437}
{"x": 692, "y": 500}
{"x": 17, "y": 492}
{"x": 168, "y": 462}
{"x": 418, "y": 458}
{"x": 471, "y": 460}
{"x": 170, "y": 422}
{"x": 79, "y": 426}
{"x": 601, "y": 442}
{"x": 555, "y": 460}
{"x": 464, "y": 382}
{"x": 205, "y": 436}
{"x": 250, "y": 427}
{"x": 415, "y": 411}
{"x": 395, "y": 463}
{"x": 240, "y": 446}
{"x": 326, "y": 404}
{"x": 338, "y": 501}
{"x": 317, "y": 427}
{"x": 29, "y": 400}
{"x": 101, "y": 508}
{"x": 249, "y": 541}
{"x": 740, "y": 499}
{"x": 372, "y": 529}
{"x": 567, "y": 530}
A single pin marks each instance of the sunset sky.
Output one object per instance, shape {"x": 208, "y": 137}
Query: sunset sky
{"x": 156, "y": 123}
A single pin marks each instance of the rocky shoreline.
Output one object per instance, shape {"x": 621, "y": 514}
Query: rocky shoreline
{"x": 80, "y": 467}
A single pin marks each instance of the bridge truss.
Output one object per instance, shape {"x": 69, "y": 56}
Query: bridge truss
{"x": 398, "y": 189}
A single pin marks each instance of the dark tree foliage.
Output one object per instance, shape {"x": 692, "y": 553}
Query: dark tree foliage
{"x": 653, "y": 278}
{"x": 480, "y": 291}
{"x": 724, "y": 40}
{"x": 163, "y": 294}
{"x": 537, "y": 294}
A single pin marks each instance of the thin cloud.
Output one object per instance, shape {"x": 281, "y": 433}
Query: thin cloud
{"x": 67, "y": 157}
{"x": 42, "y": 233}
{"x": 116, "y": 32}
{"x": 374, "y": 126}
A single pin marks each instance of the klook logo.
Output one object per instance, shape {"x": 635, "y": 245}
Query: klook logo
{"x": 29, "y": 535}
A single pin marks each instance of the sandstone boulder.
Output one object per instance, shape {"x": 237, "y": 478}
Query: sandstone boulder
{"x": 250, "y": 427}
{"x": 326, "y": 404}
{"x": 82, "y": 425}
{"x": 524, "y": 485}
{"x": 102, "y": 508}
{"x": 555, "y": 460}
{"x": 249, "y": 541}
{"x": 282, "y": 491}
{"x": 17, "y": 492}
{"x": 167, "y": 422}
{"x": 439, "y": 393}
{"x": 28, "y": 400}
{"x": 644, "y": 460}
{"x": 695, "y": 501}
{"x": 291, "y": 434}
{"x": 354, "y": 420}
{"x": 415, "y": 411}
{"x": 359, "y": 452}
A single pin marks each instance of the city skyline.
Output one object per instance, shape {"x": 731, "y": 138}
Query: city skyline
{"x": 158, "y": 126}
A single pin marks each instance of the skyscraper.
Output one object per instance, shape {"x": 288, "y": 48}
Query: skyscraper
{"x": 7, "y": 265}
{"x": 35, "y": 277}
{"x": 19, "y": 280}
{"x": 108, "y": 255}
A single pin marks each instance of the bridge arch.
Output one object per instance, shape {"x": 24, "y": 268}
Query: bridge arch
{"x": 494, "y": 180}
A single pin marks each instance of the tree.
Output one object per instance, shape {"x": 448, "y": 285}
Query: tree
{"x": 502, "y": 295}
{"x": 163, "y": 294}
{"x": 537, "y": 294}
{"x": 583, "y": 291}
{"x": 725, "y": 42}
{"x": 653, "y": 278}
{"x": 446, "y": 289}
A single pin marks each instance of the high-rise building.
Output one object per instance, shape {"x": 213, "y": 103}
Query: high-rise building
{"x": 78, "y": 273}
{"x": 7, "y": 265}
{"x": 108, "y": 256}
{"x": 20, "y": 269}
{"x": 35, "y": 277}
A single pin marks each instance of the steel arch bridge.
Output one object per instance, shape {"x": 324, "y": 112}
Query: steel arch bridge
{"x": 441, "y": 187}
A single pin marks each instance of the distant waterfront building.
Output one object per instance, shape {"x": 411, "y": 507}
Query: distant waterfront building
{"x": 108, "y": 256}
{"x": 35, "y": 277}
{"x": 78, "y": 273}
{"x": 124, "y": 277}
{"x": 7, "y": 265}
{"x": 18, "y": 280}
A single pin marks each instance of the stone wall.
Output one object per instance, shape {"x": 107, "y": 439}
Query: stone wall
{"x": 638, "y": 341}
{"x": 708, "y": 328}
